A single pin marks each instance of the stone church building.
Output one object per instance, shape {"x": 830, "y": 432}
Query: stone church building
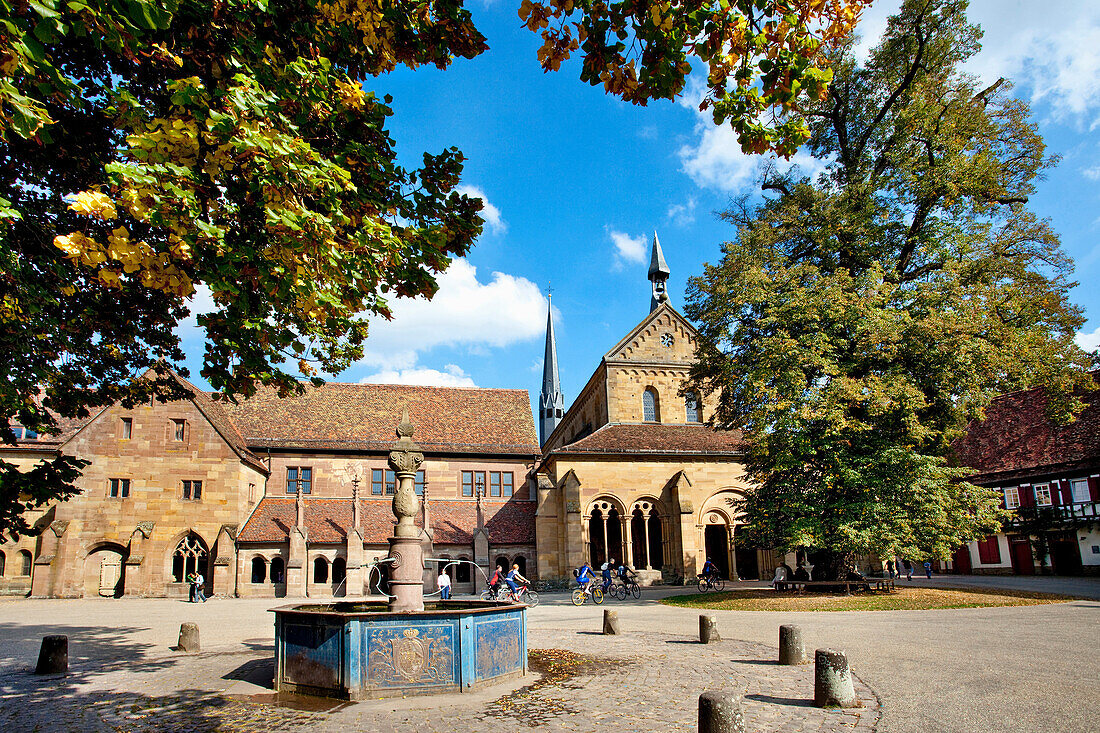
{"x": 630, "y": 471}
{"x": 277, "y": 496}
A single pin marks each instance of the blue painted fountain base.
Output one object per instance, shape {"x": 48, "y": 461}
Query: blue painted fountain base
{"x": 360, "y": 651}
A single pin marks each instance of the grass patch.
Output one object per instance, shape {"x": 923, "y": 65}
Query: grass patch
{"x": 904, "y": 599}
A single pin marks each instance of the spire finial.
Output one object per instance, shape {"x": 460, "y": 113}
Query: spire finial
{"x": 658, "y": 274}
{"x": 551, "y": 401}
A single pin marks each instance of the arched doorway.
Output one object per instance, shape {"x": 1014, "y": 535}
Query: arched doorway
{"x": 716, "y": 543}
{"x": 647, "y": 543}
{"x": 191, "y": 556}
{"x": 605, "y": 533}
{"x": 103, "y": 572}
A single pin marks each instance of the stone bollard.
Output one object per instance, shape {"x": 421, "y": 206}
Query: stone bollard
{"x": 610, "y": 622}
{"x": 53, "y": 657}
{"x": 791, "y": 648}
{"x": 720, "y": 712}
{"x": 708, "y": 629}
{"x": 833, "y": 680}
{"x": 189, "y": 638}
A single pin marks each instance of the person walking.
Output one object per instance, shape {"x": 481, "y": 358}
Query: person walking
{"x": 928, "y": 568}
{"x": 444, "y": 582}
{"x": 190, "y": 587}
{"x": 200, "y": 587}
{"x": 908, "y": 569}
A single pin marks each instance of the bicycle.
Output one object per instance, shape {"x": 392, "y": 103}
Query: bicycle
{"x": 710, "y": 582}
{"x": 504, "y": 593}
{"x": 625, "y": 588}
{"x": 580, "y": 595}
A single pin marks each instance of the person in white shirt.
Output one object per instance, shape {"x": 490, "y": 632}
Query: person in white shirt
{"x": 444, "y": 582}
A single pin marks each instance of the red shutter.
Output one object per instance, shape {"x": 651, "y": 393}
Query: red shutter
{"x": 1027, "y": 496}
{"x": 1094, "y": 487}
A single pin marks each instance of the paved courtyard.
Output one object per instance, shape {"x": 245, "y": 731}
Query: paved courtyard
{"x": 1031, "y": 668}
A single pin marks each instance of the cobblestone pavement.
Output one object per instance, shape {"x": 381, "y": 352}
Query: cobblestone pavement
{"x": 641, "y": 680}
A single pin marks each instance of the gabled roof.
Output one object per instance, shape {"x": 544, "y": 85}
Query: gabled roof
{"x": 656, "y": 439}
{"x": 328, "y": 520}
{"x": 339, "y": 416}
{"x": 1016, "y": 438}
{"x": 662, "y": 309}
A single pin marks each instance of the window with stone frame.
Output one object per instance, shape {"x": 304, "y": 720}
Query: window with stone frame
{"x": 127, "y": 428}
{"x": 467, "y": 483}
{"x": 26, "y": 563}
{"x": 494, "y": 483}
{"x": 1012, "y": 497}
{"x": 3, "y": 562}
{"x": 118, "y": 488}
{"x": 691, "y": 406}
{"x": 179, "y": 430}
{"x": 1042, "y": 495}
{"x": 506, "y": 483}
{"x": 296, "y": 475}
{"x": 192, "y": 490}
{"x": 651, "y": 408}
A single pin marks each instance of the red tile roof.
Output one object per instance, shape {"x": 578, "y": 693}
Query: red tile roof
{"x": 641, "y": 438}
{"x": 327, "y": 520}
{"x": 339, "y": 416}
{"x": 1017, "y": 438}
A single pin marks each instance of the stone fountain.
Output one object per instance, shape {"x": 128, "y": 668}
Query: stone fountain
{"x": 358, "y": 650}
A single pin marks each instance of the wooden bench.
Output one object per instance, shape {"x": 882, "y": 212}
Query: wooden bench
{"x": 870, "y": 585}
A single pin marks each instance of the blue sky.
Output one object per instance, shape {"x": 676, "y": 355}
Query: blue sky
{"x": 575, "y": 184}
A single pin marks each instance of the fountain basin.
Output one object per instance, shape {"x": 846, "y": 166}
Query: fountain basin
{"x": 356, "y": 651}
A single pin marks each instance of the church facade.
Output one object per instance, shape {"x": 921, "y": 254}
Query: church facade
{"x": 630, "y": 471}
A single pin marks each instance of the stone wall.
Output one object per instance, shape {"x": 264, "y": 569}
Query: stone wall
{"x": 167, "y": 445}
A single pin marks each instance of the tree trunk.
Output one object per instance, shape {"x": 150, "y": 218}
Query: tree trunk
{"x": 831, "y": 564}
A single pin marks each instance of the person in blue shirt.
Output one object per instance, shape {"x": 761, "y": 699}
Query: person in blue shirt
{"x": 585, "y": 576}
{"x": 605, "y": 571}
{"x": 513, "y": 578}
{"x": 710, "y": 570}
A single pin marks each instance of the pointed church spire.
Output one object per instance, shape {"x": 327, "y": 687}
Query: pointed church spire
{"x": 551, "y": 401}
{"x": 658, "y": 274}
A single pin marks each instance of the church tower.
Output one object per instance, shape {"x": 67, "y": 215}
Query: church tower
{"x": 658, "y": 274}
{"x": 551, "y": 401}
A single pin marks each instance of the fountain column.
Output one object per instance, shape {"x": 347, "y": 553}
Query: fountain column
{"x": 407, "y": 568}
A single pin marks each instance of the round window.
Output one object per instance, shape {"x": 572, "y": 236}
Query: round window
{"x": 666, "y": 339}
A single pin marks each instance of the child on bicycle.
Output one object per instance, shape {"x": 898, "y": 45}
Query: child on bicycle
{"x": 513, "y": 578}
{"x": 606, "y": 570}
{"x": 497, "y": 579}
{"x": 585, "y": 577}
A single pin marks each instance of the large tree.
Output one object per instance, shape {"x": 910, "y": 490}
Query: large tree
{"x": 861, "y": 318}
{"x": 148, "y": 147}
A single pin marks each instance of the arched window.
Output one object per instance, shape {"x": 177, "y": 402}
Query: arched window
{"x": 691, "y": 404}
{"x": 651, "y": 405}
{"x": 2, "y": 564}
{"x": 259, "y": 569}
{"x": 462, "y": 570}
{"x": 605, "y": 535}
{"x": 339, "y": 570}
{"x": 190, "y": 557}
{"x": 320, "y": 570}
{"x": 277, "y": 569}
{"x": 28, "y": 560}
{"x": 522, "y": 562}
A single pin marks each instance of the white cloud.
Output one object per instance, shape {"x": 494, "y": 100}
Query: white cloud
{"x": 682, "y": 214}
{"x": 451, "y": 376}
{"x": 1089, "y": 341}
{"x": 464, "y": 313}
{"x": 1092, "y": 173}
{"x": 1051, "y": 50}
{"x": 490, "y": 213}
{"x": 628, "y": 249}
